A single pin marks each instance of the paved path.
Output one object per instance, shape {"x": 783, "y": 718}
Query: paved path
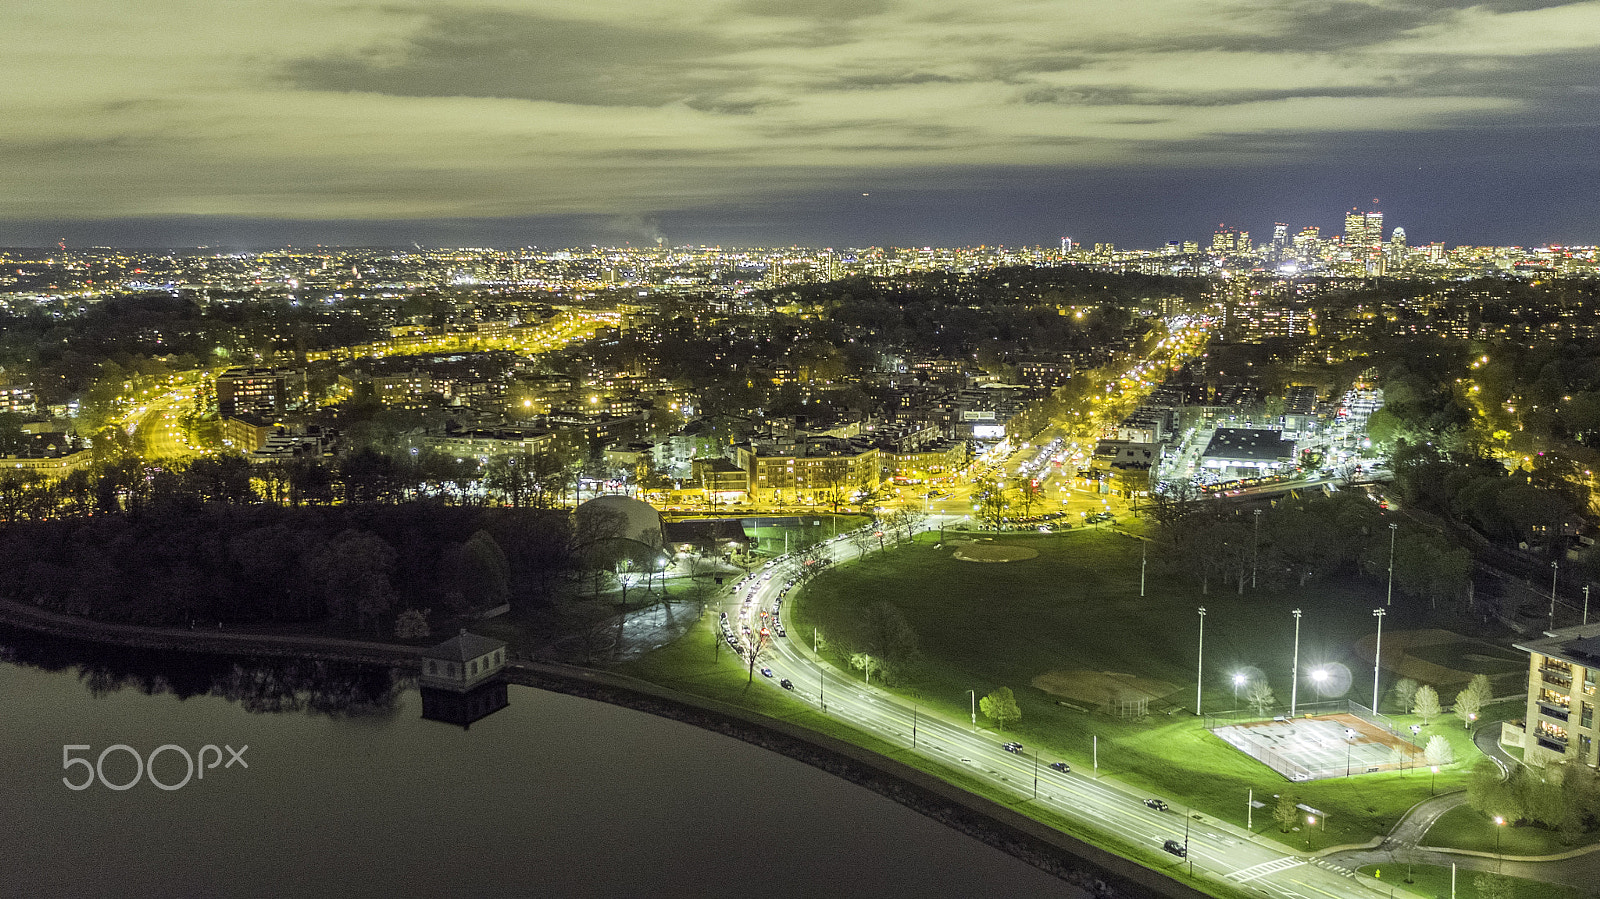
{"x": 1579, "y": 869}
{"x": 207, "y": 640}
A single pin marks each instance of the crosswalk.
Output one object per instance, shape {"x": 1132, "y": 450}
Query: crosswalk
{"x": 1270, "y": 867}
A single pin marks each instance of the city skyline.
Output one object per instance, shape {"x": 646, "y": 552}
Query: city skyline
{"x": 816, "y": 123}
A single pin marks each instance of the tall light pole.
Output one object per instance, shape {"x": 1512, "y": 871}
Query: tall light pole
{"x": 1389, "y": 600}
{"x": 974, "y": 695}
{"x": 1555, "y": 569}
{"x": 1238, "y": 681}
{"x": 1255, "y": 547}
{"x": 1294, "y": 674}
{"x": 1199, "y": 665}
{"x": 1144, "y": 549}
{"x": 1377, "y": 657}
{"x": 1585, "y": 603}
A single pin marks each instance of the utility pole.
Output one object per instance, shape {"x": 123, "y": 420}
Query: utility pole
{"x": 1389, "y": 600}
{"x": 1294, "y": 683}
{"x": 1377, "y": 656}
{"x": 1199, "y": 665}
{"x": 1585, "y": 603}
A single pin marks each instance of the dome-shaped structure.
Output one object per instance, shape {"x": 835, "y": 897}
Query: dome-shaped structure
{"x": 631, "y": 519}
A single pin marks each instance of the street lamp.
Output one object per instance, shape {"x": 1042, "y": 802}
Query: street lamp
{"x": 1294, "y": 674}
{"x": 1377, "y": 656}
{"x": 1238, "y": 681}
{"x": 1199, "y": 665}
{"x": 1349, "y": 741}
{"x": 1389, "y": 600}
{"x": 1499, "y": 822}
{"x": 1433, "y": 781}
{"x": 1320, "y": 676}
{"x": 974, "y": 695}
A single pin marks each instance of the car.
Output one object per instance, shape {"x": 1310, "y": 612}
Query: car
{"x": 1156, "y": 804}
{"x": 1012, "y": 747}
{"x": 766, "y": 672}
{"x": 786, "y": 683}
{"x": 1063, "y": 767}
{"x": 1176, "y": 848}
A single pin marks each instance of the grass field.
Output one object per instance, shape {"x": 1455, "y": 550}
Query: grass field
{"x": 1076, "y": 607}
{"x": 1466, "y": 828}
{"x": 1434, "y": 880}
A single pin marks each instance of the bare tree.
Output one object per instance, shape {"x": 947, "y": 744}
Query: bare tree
{"x": 1258, "y": 695}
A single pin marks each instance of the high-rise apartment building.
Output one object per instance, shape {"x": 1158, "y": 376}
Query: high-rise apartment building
{"x": 262, "y": 391}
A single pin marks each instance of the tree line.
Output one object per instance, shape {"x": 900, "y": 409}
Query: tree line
{"x": 358, "y": 566}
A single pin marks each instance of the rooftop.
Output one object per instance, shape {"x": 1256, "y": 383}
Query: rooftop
{"x": 463, "y": 647}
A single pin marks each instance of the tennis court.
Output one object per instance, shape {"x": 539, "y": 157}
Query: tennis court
{"x": 1313, "y": 748}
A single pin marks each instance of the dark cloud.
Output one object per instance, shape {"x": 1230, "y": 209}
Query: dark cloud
{"x": 1130, "y": 96}
{"x": 821, "y": 10}
{"x": 879, "y": 80}
{"x": 502, "y": 55}
{"x": 1327, "y": 26}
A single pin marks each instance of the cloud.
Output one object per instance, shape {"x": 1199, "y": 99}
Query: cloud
{"x": 479, "y": 108}
{"x": 505, "y": 55}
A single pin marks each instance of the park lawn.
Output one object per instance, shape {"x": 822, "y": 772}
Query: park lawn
{"x": 1077, "y": 606}
{"x": 1466, "y": 828}
{"x": 1434, "y": 880}
{"x": 691, "y": 666}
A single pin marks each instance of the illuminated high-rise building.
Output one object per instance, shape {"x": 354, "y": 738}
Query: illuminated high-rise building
{"x": 1222, "y": 240}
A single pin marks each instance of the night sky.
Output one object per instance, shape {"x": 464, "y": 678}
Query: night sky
{"x": 821, "y": 122}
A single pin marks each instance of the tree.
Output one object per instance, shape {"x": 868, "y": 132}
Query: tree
{"x": 865, "y": 663}
{"x": 889, "y": 639}
{"x": 352, "y": 570}
{"x": 412, "y": 624}
{"x": 1258, "y": 695}
{"x": 833, "y": 483}
{"x": 1287, "y": 811}
{"x": 1427, "y": 704}
{"x": 992, "y": 502}
{"x": 1001, "y": 707}
{"x": 1405, "y": 692}
{"x": 483, "y": 576}
{"x": 1438, "y": 751}
{"x": 1490, "y": 794}
{"x": 1469, "y": 702}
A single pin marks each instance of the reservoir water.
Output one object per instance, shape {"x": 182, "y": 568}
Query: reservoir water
{"x": 348, "y": 792}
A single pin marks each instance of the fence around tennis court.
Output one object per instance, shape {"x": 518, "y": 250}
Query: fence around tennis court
{"x": 1407, "y": 752}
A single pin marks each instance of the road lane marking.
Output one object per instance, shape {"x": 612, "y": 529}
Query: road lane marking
{"x": 1269, "y": 867}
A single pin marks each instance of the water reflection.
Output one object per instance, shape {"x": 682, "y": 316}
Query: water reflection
{"x": 259, "y": 685}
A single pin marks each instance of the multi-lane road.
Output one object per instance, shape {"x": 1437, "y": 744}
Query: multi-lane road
{"x": 1221, "y": 853}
